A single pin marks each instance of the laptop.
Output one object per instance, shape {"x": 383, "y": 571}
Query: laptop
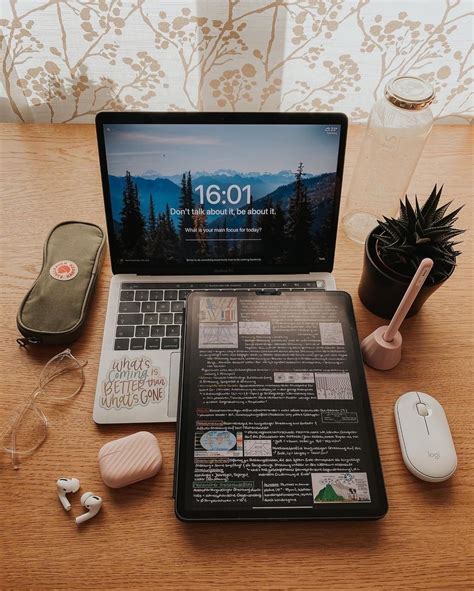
{"x": 205, "y": 201}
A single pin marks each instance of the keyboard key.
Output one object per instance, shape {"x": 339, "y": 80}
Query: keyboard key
{"x": 153, "y": 343}
{"x": 124, "y": 331}
{"x": 136, "y": 344}
{"x": 121, "y": 344}
{"x": 126, "y": 296}
{"x": 162, "y": 306}
{"x": 178, "y": 318}
{"x": 150, "y": 319}
{"x": 129, "y": 307}
{"x": 165, "y": 319}
{"x": 177, "y": 306}
{"x": 129, "y": 319}
{"x": 173, "y": 330}
{"x": 148, "y": 306}
{"x": 171, "y": 294}
{"x": 170, "y": 343}
{"x": 141, "y": 296}
{"x": 183, "y": 293}
{"x": 157, "y": 331}
{"x": 142, "y": 331}
{"x": 156, "y": 294}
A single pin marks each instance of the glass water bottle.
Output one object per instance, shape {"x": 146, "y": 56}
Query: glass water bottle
{"x": 396, "y": 132}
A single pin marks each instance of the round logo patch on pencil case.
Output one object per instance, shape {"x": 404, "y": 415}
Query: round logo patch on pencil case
{"x": 64, "y": 270}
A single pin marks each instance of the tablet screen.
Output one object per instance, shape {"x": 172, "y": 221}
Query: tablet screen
{"x": 275, "y": 419}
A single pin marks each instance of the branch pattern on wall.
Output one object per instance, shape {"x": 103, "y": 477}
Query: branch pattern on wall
{"x": 66, "y": 60}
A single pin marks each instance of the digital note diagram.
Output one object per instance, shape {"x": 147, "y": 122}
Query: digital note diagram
{"x": 218, "y": 309}
{"x": 333, "y": 386}
{"x": 218, "y": 335}
{"x": 258, "y": 448}
{"x": 348, "y": 487}
{"x": 218, "y": 328}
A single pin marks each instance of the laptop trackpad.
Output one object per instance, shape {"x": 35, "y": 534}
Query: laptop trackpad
{"x": 174, "y": 385}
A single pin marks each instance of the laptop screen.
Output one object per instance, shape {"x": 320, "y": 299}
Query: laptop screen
{"x": 222, "y": 197}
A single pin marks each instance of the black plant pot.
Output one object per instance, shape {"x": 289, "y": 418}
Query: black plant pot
{"x": 382, "y": 289}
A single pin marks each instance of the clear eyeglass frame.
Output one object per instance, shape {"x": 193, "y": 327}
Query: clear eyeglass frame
{"x": 61, "y": 379}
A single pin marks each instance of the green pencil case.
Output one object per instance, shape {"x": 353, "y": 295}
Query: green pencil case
{"x": 54, "y": 310}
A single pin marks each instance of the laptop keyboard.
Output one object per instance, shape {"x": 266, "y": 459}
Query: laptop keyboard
{"x": 150, "y": 315}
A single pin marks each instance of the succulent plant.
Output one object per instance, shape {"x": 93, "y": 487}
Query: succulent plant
{"x": 417, "y": 233}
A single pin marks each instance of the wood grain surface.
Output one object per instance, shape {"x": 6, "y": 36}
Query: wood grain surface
{"x": 50, "y": 174}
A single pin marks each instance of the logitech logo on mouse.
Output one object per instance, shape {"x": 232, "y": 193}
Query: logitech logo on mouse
{"x": 434, "y": 454}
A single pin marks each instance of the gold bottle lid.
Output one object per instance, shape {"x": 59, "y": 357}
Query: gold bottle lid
{"x": 409, "y": 92}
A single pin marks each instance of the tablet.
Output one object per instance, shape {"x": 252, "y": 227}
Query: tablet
{"x": 274, "y": 415}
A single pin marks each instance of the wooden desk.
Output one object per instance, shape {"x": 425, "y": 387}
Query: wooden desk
{"x": 50, "y": 173}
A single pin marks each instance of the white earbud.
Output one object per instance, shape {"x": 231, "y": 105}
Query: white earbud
{"x": 66, "y": 486}
{"x": 91, "y": 502}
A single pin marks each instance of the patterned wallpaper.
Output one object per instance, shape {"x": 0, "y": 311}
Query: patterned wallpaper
{"x": 65, "y": 60}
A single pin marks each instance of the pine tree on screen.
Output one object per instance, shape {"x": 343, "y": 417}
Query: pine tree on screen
{"x": 132, "y": 223}
{"x": 151, "y": 228}
{"x": 189, "y": 189}
{"x": 151, "y": 217}
{"x": 267, "y": 234}
{"x": 170, "y": 236}
{"x": 170, "y": 227}
{"x": 299, "y": 221}
{"x": 246, "y": 246}
{"x": 222, "y": 248}
{"x": 199, "y": 221}
{"x": 248, "y": 214}
{"x": 182, "y": 205}
{"x": 191, "y": 245}
{"x": 279, "y": 233}
{"x": 186, "y": 218}
{"x": 157, "y": 249}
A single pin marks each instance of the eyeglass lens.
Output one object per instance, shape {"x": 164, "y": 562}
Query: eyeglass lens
{"x": 61, "y": 379}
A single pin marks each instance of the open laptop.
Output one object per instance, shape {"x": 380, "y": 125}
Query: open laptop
{"x": 205, "y": 201}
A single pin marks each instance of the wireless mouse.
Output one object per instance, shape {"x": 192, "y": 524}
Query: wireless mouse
{"x": 425, "y": 438}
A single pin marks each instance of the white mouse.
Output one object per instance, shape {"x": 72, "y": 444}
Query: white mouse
{"x": 425, "y": 438}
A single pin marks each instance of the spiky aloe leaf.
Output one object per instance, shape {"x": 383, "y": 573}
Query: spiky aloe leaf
{"x": 411, "y": 216}
{"x": 431, "y": 204}
{"x": 419, "y": 213}
{"x": 443, "y": 234}
{"x": 449, "y": 219}
{"x": 392, "y": 229}
{"x": 403, "y": 212}
{"x": 439, "y": 213}
{"x": 397, "y": 226}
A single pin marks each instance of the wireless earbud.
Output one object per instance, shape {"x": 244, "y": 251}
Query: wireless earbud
{"x": 66, "y": 486}
{"x": 91, "y": 502}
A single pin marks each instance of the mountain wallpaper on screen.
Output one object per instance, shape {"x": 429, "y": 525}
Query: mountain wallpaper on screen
{"x": 296, "y": 232}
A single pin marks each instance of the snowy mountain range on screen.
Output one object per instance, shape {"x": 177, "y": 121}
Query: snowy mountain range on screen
{"x": 165, "y": 190}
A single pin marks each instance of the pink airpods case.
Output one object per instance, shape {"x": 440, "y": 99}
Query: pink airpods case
{"x": 130, "y": 459}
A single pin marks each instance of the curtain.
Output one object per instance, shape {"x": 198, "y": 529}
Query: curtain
{"x": 66, "y": 60}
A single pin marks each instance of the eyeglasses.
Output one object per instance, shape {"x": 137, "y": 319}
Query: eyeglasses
{"x": 61, "y": 380}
